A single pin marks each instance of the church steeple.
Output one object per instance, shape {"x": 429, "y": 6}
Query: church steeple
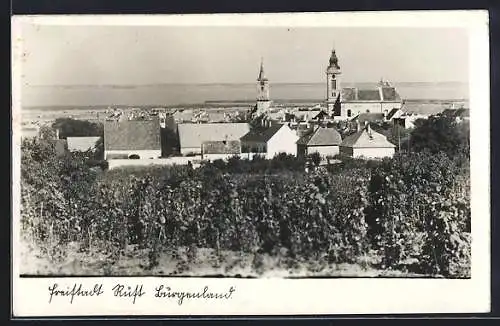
{"x": 334, "y": 61}
{"x": 263, "y": 100}
{"x": 333, "y": 87}
{"x": 262, "y": 75}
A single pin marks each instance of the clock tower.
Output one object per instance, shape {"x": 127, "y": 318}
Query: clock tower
{"x": 333, "y": 88}
{"x": 263, "y": 101}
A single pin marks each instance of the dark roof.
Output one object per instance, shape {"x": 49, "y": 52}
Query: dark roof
{"x": 349, "y": 94}
{"x": 261, "y": 135}
{"x": 369, "y": 95}
{"x": 390, "y": 94}
{"x": 367, "y": 138}
{"x": 392, "y": 113}
{"x": 321, "y": 137}
{"x": 370, "y": 117}
{"x": 132, "y": 135}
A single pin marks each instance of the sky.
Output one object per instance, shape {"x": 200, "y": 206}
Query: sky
{"x": 138, "y": 55}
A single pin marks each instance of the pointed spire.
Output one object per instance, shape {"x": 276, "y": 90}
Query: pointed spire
{"x": 262, "y": 75}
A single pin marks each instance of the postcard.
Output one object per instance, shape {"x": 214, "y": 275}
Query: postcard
{"x": 251, "y": 164}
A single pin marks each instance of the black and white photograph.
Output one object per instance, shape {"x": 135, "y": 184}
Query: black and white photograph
{"x": 245, "y": 151}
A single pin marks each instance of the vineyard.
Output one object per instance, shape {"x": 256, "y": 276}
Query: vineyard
{"x": 409, "y": 214}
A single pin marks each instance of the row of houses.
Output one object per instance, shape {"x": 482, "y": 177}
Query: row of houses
{"x": 141, "y": 139}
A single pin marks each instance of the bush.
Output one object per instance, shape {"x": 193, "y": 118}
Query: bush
{"x": 419, "y": 194}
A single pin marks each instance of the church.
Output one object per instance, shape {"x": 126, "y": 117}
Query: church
{"x": 341, "y": 103}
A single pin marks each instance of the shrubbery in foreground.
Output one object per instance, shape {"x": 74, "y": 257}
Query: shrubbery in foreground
{"x": 414, "y": 206}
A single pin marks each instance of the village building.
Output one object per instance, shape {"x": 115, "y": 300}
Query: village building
{"x": 82, "y": 144}
{"x": 394, "y": 114}
{"x": 138, "y": 139}
{"x": 345, "y": 103}
{"x": 321, "y": 140}
{"x": 270, "y": 141}
{"x": 405, "y": 121}
{"x": 364, "y": 118}
{"x": 192, "y": 136}
{"x": 367, "y": 143}
{"x": 220, "y": 149}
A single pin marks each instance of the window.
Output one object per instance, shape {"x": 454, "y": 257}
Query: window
{"x": 367, "y": 111}
{"x": 334, "y": 83}
{"x": 349, "y": 113}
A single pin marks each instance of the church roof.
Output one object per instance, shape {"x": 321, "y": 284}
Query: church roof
{"x": 352, "y": 94}
{"x": 367, "y": 138}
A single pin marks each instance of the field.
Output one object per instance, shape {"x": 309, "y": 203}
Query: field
{"x": 401, "y": 217}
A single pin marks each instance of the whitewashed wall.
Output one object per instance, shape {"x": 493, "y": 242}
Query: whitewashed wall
{"x": 143, "y": 154}
{"x": 284, "y": 141}
{"x": 373, "y": 152}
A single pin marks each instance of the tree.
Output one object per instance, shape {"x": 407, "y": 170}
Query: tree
{"x": 441, "y": 134}
{"x": 77, "y": 128}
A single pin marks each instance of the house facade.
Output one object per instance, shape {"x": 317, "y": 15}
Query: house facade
{"x": 367, "y": 143}
{"x": 321, "y": 140}
{"x": 270, "y": 141}
{"x": 138, "y": 139}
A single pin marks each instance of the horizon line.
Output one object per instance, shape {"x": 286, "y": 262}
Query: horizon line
{"x": 245, "y": 83}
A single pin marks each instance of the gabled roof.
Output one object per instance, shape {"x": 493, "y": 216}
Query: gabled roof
{"x": 385, "y": 93}
{"x": 192, "y": 135}
{"x": 367, "y": 139}
{"x": 81, "y": 144}
{"x": 321, "y": 137}
{"x": 262, "y": 134}
{"x": 391, "y": 113}
{"x": 369, "y": 117}
{"x": 132, "y": 135}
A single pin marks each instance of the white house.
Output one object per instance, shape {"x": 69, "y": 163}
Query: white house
{"x": 321, "y": 140}
{"x": 367, "y": 143}
{"x": 270, "y": 141}
{"x": 138, "y": 139}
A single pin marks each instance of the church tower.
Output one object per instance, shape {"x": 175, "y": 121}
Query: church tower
{"x": 333, "y": 87}
{"x": 263, "y": 101}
